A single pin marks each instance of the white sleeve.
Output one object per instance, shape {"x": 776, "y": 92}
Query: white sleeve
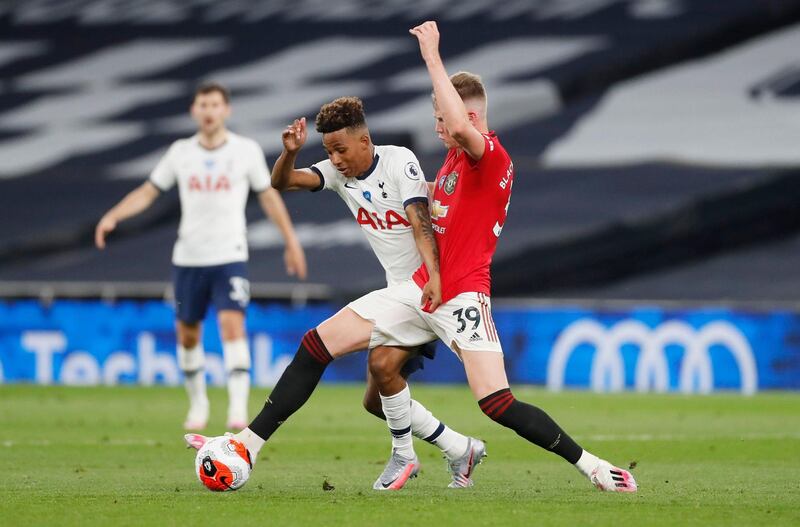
{"x": 327, "y": 176}
{"x": 164, "y": 175}
{"x": 410, "y": 179}
{"x": 259, "y": 172}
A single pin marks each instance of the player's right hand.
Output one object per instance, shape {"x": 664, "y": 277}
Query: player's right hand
{"x": 104, "y": 226}
{"x": 294, "y": 136}
{"x": 432, "y": 294}
{"x": 428, "y": 36}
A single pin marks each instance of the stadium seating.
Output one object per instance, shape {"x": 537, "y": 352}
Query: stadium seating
{"x": 620, "y": 156}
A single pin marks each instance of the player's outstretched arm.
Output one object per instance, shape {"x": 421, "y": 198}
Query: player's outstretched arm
{"x": 284, "y": 175}
{"x": 132, "y": 204}
{"x": 420, "y": 218}
{"x": 448, "y": 102}
{"x": 294, "y": 256}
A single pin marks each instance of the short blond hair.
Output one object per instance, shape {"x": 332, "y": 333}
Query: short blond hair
{"x": 468, "y": 85}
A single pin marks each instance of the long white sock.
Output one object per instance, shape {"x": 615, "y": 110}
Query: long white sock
{"x": 192, "y": 362}
{"x": 238, "y": 394}
{"x": 587, "y": 463}
{"x": 397, "y": 409}
{"x": 195, "y": 383}
{"x": 252, "y": 441}
{"x": 237, "y": 364}
{"x": 426, "y": 427}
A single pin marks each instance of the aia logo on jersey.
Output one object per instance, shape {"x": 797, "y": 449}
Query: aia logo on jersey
{"x": 209, "y": 183}
{"x": 448, "y": 183}
{"x": 388, "y": 222}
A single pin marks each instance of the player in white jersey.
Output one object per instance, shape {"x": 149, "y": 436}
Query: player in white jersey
{"x": 214, "y": 171}
{"x": 385, "y": 190}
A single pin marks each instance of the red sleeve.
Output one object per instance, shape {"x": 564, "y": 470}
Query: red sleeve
{"x": 487, "y": 165}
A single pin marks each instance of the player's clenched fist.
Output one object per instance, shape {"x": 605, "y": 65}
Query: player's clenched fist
{"x": 428, "y": 36}
{"x": 295, "y": 135}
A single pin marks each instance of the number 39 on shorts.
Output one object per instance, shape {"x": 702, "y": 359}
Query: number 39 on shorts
{"x": 464, "y": 316}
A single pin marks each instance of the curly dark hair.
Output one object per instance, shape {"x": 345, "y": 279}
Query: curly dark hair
{"x": 344, "y": 112}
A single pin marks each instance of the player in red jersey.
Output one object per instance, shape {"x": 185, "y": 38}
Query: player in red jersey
{"x": 470, "y": 201}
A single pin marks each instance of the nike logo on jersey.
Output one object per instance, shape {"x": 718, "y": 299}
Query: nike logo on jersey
{"x": 347, "y": 185}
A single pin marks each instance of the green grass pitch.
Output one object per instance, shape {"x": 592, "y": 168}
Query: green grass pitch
{"x": 114, "y": 456}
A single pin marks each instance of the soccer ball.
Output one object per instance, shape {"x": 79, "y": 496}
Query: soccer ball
{"x": 222, "y": 464}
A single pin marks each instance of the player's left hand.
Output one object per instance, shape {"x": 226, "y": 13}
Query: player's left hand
{"x": 428, "y": 36}
{"x": 295, "y": 259}
{"x": 432, "y": 294}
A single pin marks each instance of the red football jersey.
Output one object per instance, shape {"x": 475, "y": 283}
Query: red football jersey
{"x": 470, "y": 203}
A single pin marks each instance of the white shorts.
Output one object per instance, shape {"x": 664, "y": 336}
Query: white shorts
{"x": 463, "y": 323}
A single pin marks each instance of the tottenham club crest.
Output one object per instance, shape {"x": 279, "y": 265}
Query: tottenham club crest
{"x": 450, "y": 183}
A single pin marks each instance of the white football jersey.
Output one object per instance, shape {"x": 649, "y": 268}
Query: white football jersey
{"x": 378, "y": 200}
{"x": 213, "y": 186}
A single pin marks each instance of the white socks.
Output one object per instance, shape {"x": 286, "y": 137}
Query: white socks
{"x": 406, "y": 416}
{"x": 237, "y": 363}
{"x": 426, "y": 427}
{"x": 195, "y": 383}
{"x": 397, "y": 409}
{"x": 587, "y": 463}
{"x": 238, "y": 393}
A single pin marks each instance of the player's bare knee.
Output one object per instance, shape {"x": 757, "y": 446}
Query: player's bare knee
{"x": 189, "y": 341}
{"x": 188, "y": 337}
{"x": 344, "y": 333}
{"x": 231, "y": 326}
{"x": 382, "y": 368}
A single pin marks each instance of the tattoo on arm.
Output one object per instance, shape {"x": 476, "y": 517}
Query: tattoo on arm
{"x": 426, "y": 229}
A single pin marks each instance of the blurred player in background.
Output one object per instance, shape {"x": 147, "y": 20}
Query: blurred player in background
{"x": 470, "y": 203}
{"x": 385, "y": 189}
{"x": 214, "y": 170}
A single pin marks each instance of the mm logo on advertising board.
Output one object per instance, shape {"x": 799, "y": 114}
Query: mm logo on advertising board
{"x": 652, "y": 371}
